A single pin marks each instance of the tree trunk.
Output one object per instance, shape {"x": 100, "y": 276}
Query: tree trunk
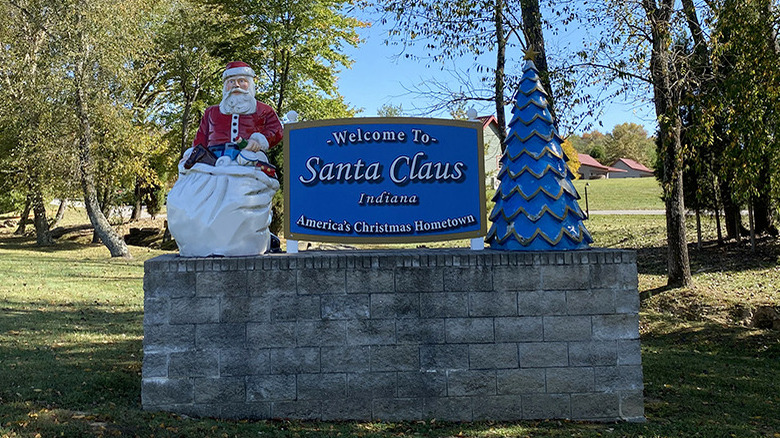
{"x": 698, "y": 229}
{"x": 498, "y": 18}
{"x": 21, "y": 228}
{"x": 60, "y": 213}
{"x": 667, "y": 100}
{"x": 137, "y": 204}
{"x": 113, "y": 241}
{"x": 42, "y": 234}
{"x": 532, "y": 28}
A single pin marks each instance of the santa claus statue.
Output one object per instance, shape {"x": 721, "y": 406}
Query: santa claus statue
{"x": 239, "y": 116}
{"x": 221, "y": 203}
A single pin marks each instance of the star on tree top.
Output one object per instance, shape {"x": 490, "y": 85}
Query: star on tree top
{"x": 530, "y": 53}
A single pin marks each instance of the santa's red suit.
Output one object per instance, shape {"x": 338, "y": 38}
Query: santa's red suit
{"x": 217, "y": 128}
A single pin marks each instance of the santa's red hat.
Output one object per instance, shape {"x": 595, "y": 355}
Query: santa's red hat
{"x": 238, "y": 68}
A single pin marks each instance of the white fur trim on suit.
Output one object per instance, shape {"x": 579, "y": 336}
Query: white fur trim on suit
{"x": 260, "y": 138}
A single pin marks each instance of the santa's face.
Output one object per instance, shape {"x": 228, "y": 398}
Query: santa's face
{"x": 238, "y": 95}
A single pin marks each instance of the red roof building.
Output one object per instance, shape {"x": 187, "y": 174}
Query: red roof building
{"x": 631, "y": 169}
{"x": 592, "y": 169}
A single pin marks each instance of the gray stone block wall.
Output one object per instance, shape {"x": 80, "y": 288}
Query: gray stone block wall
{"x": 395, "y": 335}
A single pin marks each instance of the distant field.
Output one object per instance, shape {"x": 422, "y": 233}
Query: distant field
{"x": 621, "y": 194}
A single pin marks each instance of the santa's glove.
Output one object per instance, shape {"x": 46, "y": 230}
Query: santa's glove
{"x": 257, "y": 142}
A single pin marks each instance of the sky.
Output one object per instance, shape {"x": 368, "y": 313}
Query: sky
{"x": 379, "y": 77}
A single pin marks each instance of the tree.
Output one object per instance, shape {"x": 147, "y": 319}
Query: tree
{"x": 629, "y": 140}
{"x": 388, "y": 110}
{"x": 459, "y": 28}
{"x": 536, "y": 204}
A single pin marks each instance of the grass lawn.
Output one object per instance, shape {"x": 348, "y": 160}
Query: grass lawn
{"x": 621, "y": 194}
{"x": 71, "y": 348}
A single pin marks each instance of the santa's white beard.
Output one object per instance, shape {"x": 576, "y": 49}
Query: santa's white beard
{"x": 241, "y": 102}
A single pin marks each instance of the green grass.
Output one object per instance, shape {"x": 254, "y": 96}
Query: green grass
{"x": 71, "y": 349}
{"x": 621, "y": 194}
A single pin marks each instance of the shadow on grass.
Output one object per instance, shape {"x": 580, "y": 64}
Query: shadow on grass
{"x": 731, "y": 257}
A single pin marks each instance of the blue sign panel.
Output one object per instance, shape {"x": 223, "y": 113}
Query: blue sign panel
{"x": 384, "y": 180}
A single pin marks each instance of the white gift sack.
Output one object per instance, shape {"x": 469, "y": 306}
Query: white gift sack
{"x": 222, "y": 210}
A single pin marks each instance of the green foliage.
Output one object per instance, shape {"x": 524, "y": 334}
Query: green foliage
{"x": 390, "y": 110}
{"x": 627, "y": 140}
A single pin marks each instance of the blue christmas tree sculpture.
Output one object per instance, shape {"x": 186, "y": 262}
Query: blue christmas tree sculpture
{"x": 536, "y": 204}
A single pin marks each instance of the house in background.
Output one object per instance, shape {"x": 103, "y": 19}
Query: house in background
{"x": 592, "y": 169}
{"x": 632, "y": 169}
{"x": 492, "y": 141}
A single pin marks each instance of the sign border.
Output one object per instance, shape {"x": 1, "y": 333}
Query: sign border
{"x": 386, "y": 121}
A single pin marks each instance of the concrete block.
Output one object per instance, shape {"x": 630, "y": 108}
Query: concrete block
{"x": 419, "y": 280}
{"x": 160, "y": 284}
{"x": 321, "y": 333}
{"x": 157, "y": 392}
{"x": 590, "y": 302}
{"x": 629, "y": 352}
{"x": 469, "y": 330}
{"x": 543, "y": 354}
{"x": 353, "y": 359}
{"x": 448, "y": 408}
{"x": 270, "y": 335}
{"x": 519, "y": 329}
{"x": 397, "y": 409}
{"x": 220, "y": 390}
{"x": 567, "y": 328}
{"x": 468, "y": 279}
{"x": 538, "y": 303}
{"x": 193, "y": 410}
{"x": 632, "y": 406}
{"x": 595, "y": 406}
{"x": 568, "y": 380}
{"x": 609, "y": 379}
{"x": 622, "y": 326}
{"x": 444, "y": 305}
{"x": 298, "y": 409}
{"x": 243, "y": 362}
{"x": 493, "y": 356}
{"x": 516, "y": 278}
{"x": 420, "y": 331}
{"x": 524, "y": 381}
{"x": 471, "y": 382}
{"x": 616, "y": 276}
{"x": 322, "y": 281}
{"x": 395, "y": 358}
{"x": 271, "y": 387}
{"x": 223, "y": 283}
{"x": 156, "y": 311}
{"x": 565, "y": 277}
{"x": 155, "y": 365}
{"x": 271, "y": 282}
{"x": 346, "y": 409}
{"x": 220, "y": 335}
{"x": 294, "y": 307}
{"x": 362, "y": 386}
{"x": 543, "y": 406}
{"x": 362, "y": 281}
{"x": 169, "y": 337}
{"x": 353, "y": 306}
{"x": 322, "y": 386}
{"x": 402, "y": 305}
{"x": 422, "y": 384}
{"x": 295, "y": 360}
{"x": 595, "y": 353}
{"x": 627, "y": 301}
{"x": 498, "y": 408}
{"x": 371, "y": 332}
{"x": 244, "y": 309}
{"x": 194, "y": 363}
{"x": 444, "y": 357}
{"x": 482, "y": 304}
{"x": 194, "y": 310}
